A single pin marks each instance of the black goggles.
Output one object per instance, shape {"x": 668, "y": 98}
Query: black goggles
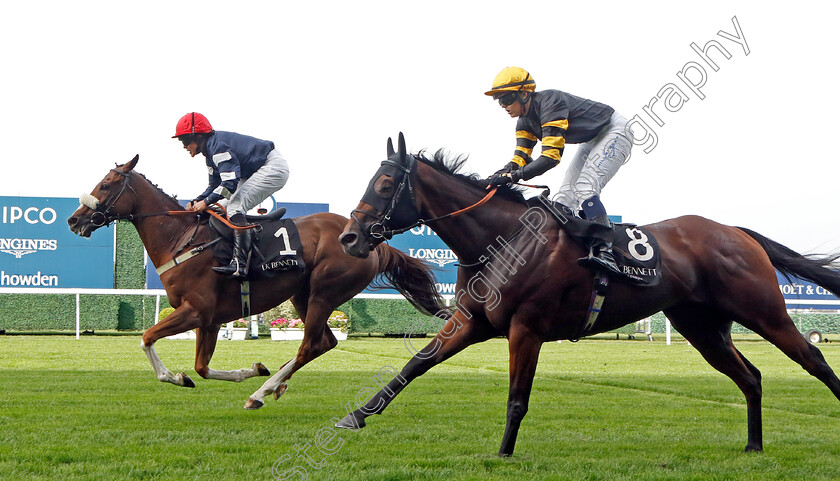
{"x": 508, "y": 99}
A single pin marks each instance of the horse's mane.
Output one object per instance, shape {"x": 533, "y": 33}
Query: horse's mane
{"x": 451, "y": 165}
{"x": 172, "y": 198}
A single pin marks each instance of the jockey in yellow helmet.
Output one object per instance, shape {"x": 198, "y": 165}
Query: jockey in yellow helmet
{"x": 556, "y": 118}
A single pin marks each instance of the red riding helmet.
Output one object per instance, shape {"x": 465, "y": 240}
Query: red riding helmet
{"x": 192, "y": 123}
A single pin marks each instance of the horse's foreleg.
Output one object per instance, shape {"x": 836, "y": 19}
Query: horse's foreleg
{"x": 524, "y": 354}
{"x": 183, "y": 319}
{"x": 456, "y": 335}
{"x": 275, "y": 384}
{"x": 205, "y": 345}
{"x": 164, "y": 374}
{"x": 317, "y": 339}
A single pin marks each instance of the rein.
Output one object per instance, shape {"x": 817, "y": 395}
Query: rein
{"x": 102, "y": 217}
{"x": 482, "y": 201}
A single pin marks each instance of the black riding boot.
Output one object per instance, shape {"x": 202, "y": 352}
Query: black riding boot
{"x": 600, "y": 252}
{"x": 242, "y": 240}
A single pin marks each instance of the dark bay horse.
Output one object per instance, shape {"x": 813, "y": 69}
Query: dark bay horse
{"x": 519, "y": 278}
{"x": 203, "y": 299}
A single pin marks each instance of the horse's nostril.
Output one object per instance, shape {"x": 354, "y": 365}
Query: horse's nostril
{"x": 348, "y": 238}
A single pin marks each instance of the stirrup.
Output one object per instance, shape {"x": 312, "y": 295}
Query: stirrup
{"x": 603, "y": 261}
{"x": 232, "y": 269}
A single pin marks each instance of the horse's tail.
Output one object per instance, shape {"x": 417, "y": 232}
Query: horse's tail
{"x": 820, "y": 269}
{"x": 413, "y": 278}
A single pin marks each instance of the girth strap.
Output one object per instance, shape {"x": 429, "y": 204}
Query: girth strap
{"x": 185, "y": 256}
{"x": 245, "y": 296}
{"x": 599, "y": 293}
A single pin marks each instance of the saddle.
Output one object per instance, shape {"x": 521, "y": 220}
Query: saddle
{"x": 635, "y": 248}
{"x": 276, "y": 245}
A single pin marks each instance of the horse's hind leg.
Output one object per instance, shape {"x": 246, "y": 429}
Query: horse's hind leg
{"x": 708, "y": 331}
{"x": 205, "y": 345}
{"x": 784, "y": 335}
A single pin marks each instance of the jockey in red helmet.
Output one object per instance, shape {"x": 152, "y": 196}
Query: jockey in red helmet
{"x": 556, "y": 118}
{"x": 245, "y": 170}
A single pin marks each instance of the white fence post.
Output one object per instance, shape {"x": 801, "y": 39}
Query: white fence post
{"x": 77, "y": 315}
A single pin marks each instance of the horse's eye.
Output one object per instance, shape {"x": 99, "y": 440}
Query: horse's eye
{"x": 104, "y": 187}
{"x": 384, "y": 186}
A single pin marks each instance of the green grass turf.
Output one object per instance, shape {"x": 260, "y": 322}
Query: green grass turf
{"x": 611, "y": 410}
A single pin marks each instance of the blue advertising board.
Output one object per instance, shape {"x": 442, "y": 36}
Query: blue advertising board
{"x": 802, "y": 294}
{"x": 423, "y": 243}
{"x": 37, "y": 248}
{"x": 293, "y": 209}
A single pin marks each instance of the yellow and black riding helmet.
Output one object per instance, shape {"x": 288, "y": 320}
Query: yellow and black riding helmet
{"x": 511, "y": 80}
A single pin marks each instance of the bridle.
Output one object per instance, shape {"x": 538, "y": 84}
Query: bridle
{"x": 101, "y": 217}
{"x": 380, "y": 230}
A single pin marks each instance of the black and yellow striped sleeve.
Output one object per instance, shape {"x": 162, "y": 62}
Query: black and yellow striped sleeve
{"x": 554, "y": 138}
{"x": 525, "y": 142}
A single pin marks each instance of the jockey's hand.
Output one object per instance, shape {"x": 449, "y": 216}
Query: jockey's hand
{"x": 504, "y": 178}
{"x": 199, "y": 206}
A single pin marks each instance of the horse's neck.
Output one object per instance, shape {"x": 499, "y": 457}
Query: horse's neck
{"x": 162, "y": 235}
{"x": 467, "y": 233}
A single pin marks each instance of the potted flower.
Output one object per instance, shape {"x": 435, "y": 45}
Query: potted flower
{"x": 283, "y": 329}
{"x": 338, "y": 323}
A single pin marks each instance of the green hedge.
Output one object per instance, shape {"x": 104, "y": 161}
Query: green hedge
{"x": 388, "y": 316}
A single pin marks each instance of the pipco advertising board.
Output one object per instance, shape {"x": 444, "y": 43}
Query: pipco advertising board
{"x": 37, "y": 249}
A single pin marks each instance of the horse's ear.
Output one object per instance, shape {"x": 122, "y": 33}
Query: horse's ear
{"x": 130, "y": 165}
{"x": 390, "y": 148}
{"x": 401, "y": 146}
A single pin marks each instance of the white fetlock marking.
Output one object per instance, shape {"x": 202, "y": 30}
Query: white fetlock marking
{"x": 274, "y": 381}
{"x": 163, "y": 374}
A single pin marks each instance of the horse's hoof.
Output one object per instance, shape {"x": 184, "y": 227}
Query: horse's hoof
{"x": 753, "y": 449}
{"x": 187, "y": 382}
{"x": 261, "y": 369}
{"x": 252, "y": 404}
{"x": 280, "y": 390}
{"x": 351, "y": 422}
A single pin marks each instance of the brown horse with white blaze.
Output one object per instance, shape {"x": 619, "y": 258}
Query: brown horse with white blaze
{"x": 203, "y": 299}
{"x": 519, "y": 278}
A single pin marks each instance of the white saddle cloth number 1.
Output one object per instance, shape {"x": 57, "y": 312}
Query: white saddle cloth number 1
{"x": 287, "y": 250}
